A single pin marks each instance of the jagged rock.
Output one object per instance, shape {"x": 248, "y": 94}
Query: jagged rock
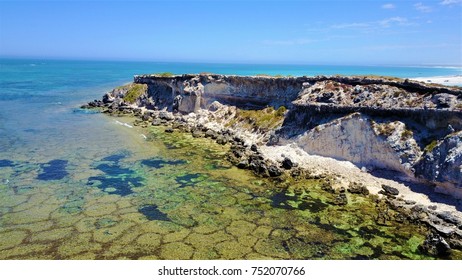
{"x": 258, "y": 166}
{"x": 418, "y": 212}
{"x": 197, "y": 133}
{"x": 215, "y": 106}
{"x": 176, "y": 103}
{"x": 449, "y": 218}
{"x": 211, "y": 134}
{"x": 274, "y": 171}
{"x": 436, "y": 245}
{"x": 287, "y": 163}
{"x": 107, "y": 98}
{"x": 243, "y": 164}
{"x": 389, "y": 191}
{"x": 326, "y": 97}
{"x": 156, "y": 122}
{"x": 442, "y": 163}
{"x": 146, "y": 117}
{"x": 326, "y": 186}
{"x": 273, "y": 139}
{"x": 222, "y": 140}
{"x": 409, "y": 202}
{"x": 340, "y": 199}
{"x": 169, "y": 130}
{"x": 444, "y": 100}
{"x": 358, "y": 188}
{"x": 254, "y": 148}
{"x": 166, "y": 116}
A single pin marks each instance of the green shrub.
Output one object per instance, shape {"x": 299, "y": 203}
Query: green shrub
{"x": 135, "y": 91}
{"x": 264, "y": 119}
{"x": 431, "y": 146}
{"x": 406, "y": 134}
{"x": 280, "y": 111}
{"x": 164, "y": 74}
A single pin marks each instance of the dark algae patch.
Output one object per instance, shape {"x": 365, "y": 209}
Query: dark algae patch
{"x": 53, "y": 170}
{"x": 159, "y": 163}
{"x": 116, "y": 178}
{"x": 152, "y": 213}
{"x": 287, "y": 201}
{"x": 6, "y": 163}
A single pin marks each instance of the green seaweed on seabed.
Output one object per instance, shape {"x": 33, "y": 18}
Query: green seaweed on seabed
{"x": 181, "y": 207}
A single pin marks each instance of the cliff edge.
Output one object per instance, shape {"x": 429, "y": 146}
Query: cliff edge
{"x": 373, "y": 122}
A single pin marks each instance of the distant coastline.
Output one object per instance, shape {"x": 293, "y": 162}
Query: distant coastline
{"x": 444, "y": 80}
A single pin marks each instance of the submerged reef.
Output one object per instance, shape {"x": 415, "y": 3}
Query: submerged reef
{"x": 393, "y": 141}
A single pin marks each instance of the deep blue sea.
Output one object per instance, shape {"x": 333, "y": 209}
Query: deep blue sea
{"x": 74, "y": 184}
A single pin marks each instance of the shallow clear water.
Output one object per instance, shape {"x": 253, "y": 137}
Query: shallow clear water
{"x": 74, "y": 184}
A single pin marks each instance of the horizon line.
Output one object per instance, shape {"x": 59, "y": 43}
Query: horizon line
{"x": 413, "y": 65}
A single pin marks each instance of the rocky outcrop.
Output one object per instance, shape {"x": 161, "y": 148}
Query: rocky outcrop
{"x": 442, "y": 164}
{"x": 191, "y": 92}
{"x": 260, "y": 91}
{"x": 373, "y": 122}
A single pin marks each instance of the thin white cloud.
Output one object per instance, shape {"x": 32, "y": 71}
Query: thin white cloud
{"x": 288, "y": 42}
{"x": 388, "y": 6}
{"x": 374, "y": 25}
{"x": 416, "y": 46}
{"x": 351, "y": 25}
{"x": 394, "y": 21}
{"x": 424, "y": 9}
{"x": 450, "y": 2}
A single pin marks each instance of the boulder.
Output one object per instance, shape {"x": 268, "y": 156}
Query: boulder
{"x": 340, "y": 199}
{"x": 166, "y": 116}
{"x": 211, "y": 134}
{"x": 222, "y": 140}
{"x": 274, "y": 171}
{"x": 244, "y": 164}
{"x": 156, "y": 122}
{"x": 287, "y": 163}
{"x": 389, "y": 191}
{"x": 196, "y": 133}
{"x": 436, "y": 245}
{"x": 358, "y": 188}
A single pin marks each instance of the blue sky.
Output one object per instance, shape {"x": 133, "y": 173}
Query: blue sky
{"x": 300, "y": 32}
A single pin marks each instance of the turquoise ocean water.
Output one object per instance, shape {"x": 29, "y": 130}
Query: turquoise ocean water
{"x": 62, "y": 168}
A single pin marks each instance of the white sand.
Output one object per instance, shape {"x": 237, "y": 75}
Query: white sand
{"x": 443, "y": 80}
{"x": 347, "y": 172}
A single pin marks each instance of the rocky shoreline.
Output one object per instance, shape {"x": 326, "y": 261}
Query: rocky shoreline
{"x": 256, "y": 145}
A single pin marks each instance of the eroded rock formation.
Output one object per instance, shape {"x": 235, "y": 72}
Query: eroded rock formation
{"x": 388, "y": 123}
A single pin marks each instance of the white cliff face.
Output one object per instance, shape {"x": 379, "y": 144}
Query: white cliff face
{"x": 193, "y": 91}
{"x": 353, "y": 138}
{"x": 401, "y": 141}
{"x": 443, "y": 165}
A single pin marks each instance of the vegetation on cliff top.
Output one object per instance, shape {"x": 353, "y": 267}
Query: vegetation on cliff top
{"x": 164, "y": 74}
{"x": 134, "y": 91}
{"x": 265, "y": 119}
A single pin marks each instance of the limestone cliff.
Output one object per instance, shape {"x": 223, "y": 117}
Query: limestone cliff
{"x": 353, "y": 138}
{"x": 442, "y": 164}
{"x": 373, "y": 122}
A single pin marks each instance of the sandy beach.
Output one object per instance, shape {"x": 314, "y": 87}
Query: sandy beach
{"x": 443, "y": 80}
